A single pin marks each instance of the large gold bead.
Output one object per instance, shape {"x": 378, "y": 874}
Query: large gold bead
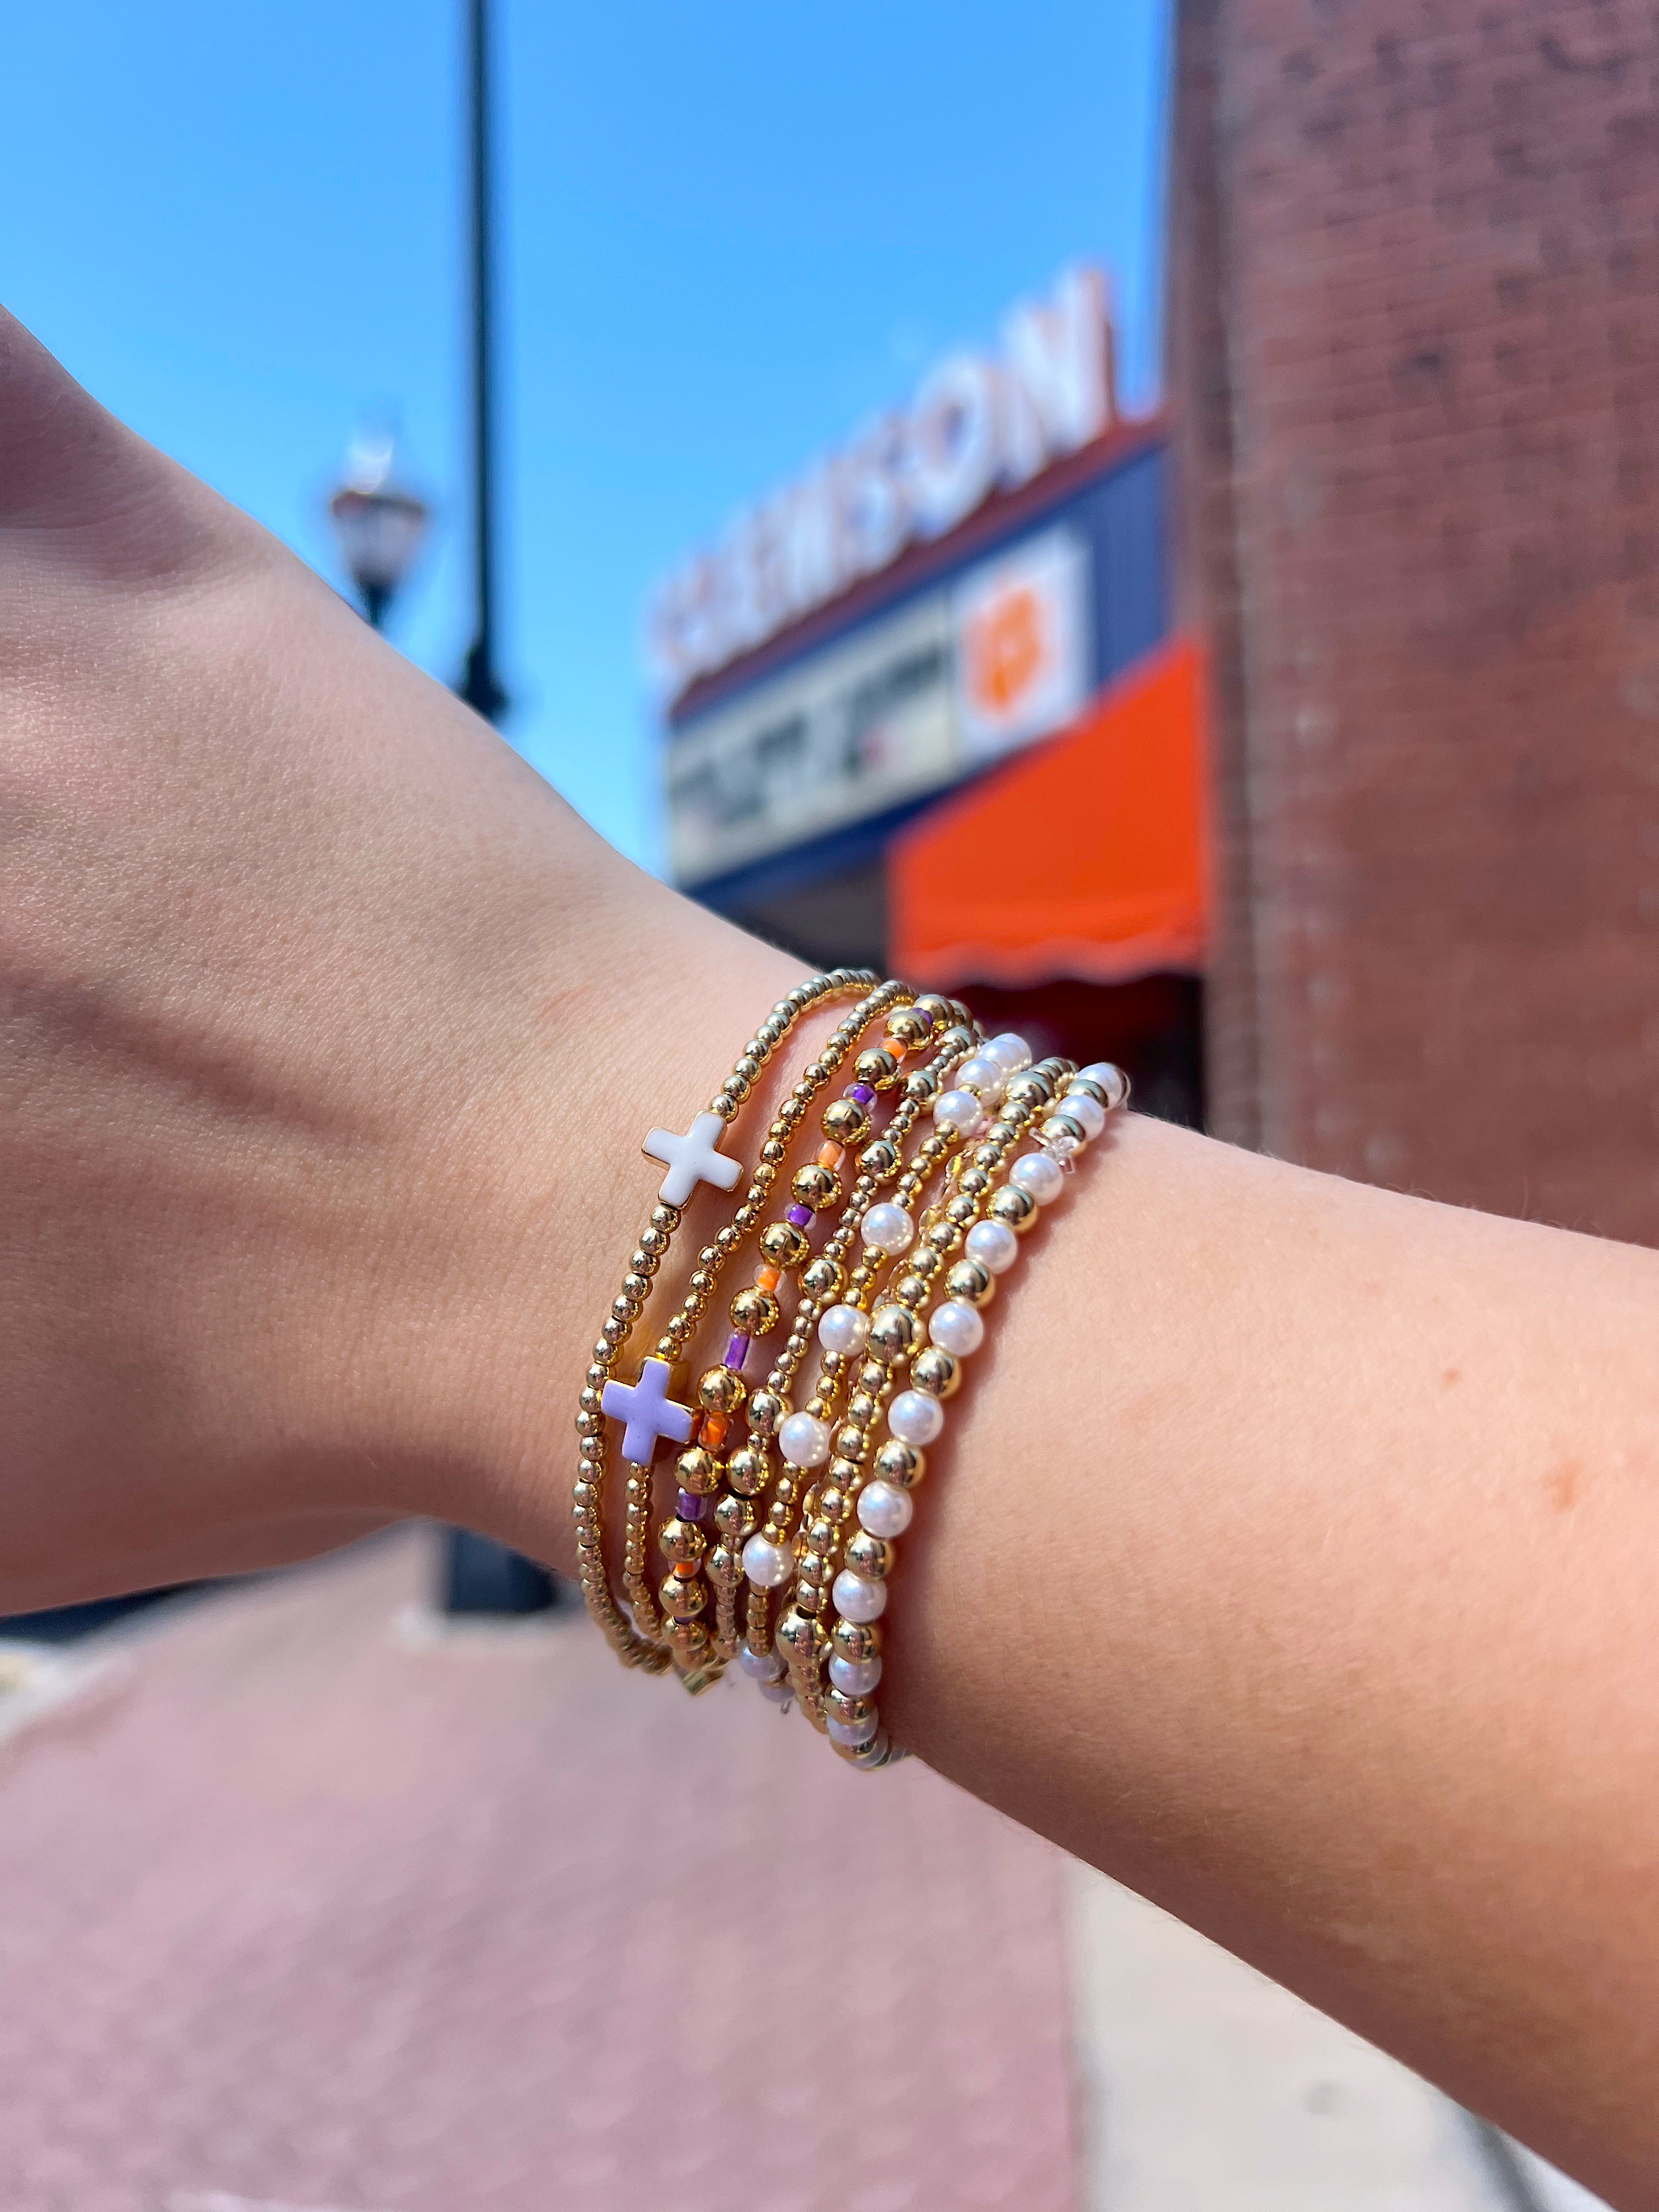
{"x": 721, "y": 1391}
{"x": 1014, "y": 1206}
{"x": 681, "y": 1541}
{"x": 893, "y": 1332}
{"x": 746, "y": 1470}
{"x": 962, "y": 1212}
{"x": 754, "y": 1312}
{"x": 879, "y": 1158}
{"x": 784, "y": 1245}
{"x": 766, "y": 1409}
{"x": 799, "y": 1634}
{"x": 870, "y": 1555}
{"x": 968, "y": 1281}
{"x": 855, "y": 1641}
{"x": 734, "y": 1516}
{"x": 821, "y": 1277}
{"x": 724, "y": 1567}
{"x": 697, "y": 1470}
{"x": 937, "y": 1372}
{"x": 902, "y": 1464}
{"x": 815, "y": 1186}
{"x": 878, "y": 1067}
{"x": 846, "y": 1121}
{"x": 905, "y": 1026}
{"x": 683, "y": 1597}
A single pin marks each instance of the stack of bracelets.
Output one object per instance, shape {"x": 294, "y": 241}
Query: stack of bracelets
{"x": 781, "y": 1540}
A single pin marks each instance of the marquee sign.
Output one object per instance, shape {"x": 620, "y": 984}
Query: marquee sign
{"x": 979, "y": 423}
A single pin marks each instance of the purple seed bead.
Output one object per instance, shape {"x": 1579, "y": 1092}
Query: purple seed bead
{"x": 864, "y": 1092}
{"x": 736, "y": 1352}
{"x": 692, "y": 1508}
{"x": 801, "y": 1216}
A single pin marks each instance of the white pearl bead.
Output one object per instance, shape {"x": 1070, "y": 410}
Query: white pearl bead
{"x": 1010, "y": 1052}
{"x": 857, "y": 1598}
{"x": 956, "y": 1327}
{"x": 760, "y": 1666}
{"x": 1112, "y": 1080}
{"x": 1088, "y": 1112}
{"x": 914, "y": 1418}
{"x": 767, "y": 1564}
{"x": 961, "y": 1111}
{"x": 854, "y": 1734}
{"x": 994, "y": 1244}
{"x": 888, "y": 1227}
{"x": 885, "y": 1510}
{"x": 983, "y": 1076}
{"x": 804, "y": 1440}
{"x": 1038, "y": 1176}
{"x": 843, "y": 1328}
{"x": 778, "y": 1693}
{"x": 856, "y": 1678}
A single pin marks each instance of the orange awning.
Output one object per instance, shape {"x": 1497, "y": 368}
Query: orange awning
{"x": 1085, "y": 857}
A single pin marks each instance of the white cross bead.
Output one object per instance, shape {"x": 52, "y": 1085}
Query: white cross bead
{"x": 646, "y": 1412}
{"x": 692, "y": 1159}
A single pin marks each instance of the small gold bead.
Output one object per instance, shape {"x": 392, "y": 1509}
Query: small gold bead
{"x": 636, "y": 1287}
{"x": 934, "y": 1009}
{"x": 683, "y": 1597}
{"x": 851, "y": 1710}
{"x": 962, "y": 1212}
{"x": 872, "y": 1377}
{"x": 911, "y": 1288}
{"x": 861, "y": 1409}
{"x": 844, "y": 1471}
{"x": 584, "y": 1497}
{"x": 870, "y": 1555}
{"x": 820, "y": 1534}
{"x": 1014, "y": 1206}
{"x": 665, "y": 1218}
{"x": 937, "y": 1372}
{"x": 906, "y": 1027}
{"x": 849, "y": 1441}
{"x": 941, "y": 1235}
{"x": 830, "y": 1504}
{"x": 766, "y": 1409}
{"x": 879, "y": 1158}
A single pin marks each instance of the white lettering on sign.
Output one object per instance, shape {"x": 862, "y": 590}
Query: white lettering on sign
{"x": 977, "y": 425}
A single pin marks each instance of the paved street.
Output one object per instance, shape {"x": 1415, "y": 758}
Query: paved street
{"x": 306, "y": 1903}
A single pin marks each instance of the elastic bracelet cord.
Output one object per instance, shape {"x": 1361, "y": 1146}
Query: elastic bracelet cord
{"x": 690, "y": 1159}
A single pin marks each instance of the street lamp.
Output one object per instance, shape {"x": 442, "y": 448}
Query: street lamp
{"x": 379, "y": 523}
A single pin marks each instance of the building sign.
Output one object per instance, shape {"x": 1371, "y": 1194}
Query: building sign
{"x": 979, "y": 423}
{"x": 908, "y": 704}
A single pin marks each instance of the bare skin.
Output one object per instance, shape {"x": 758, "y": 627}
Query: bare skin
{"x": 1290, "y": 1557}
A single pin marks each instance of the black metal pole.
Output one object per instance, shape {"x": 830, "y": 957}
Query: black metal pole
{"x": 480, "y": 686}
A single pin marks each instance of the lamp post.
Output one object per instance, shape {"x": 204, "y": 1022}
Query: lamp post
{"x": 480, "y": 686}
{"x": 379, "y": 523}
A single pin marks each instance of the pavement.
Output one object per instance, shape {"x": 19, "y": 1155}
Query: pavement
{"x": 310, "y": 1903}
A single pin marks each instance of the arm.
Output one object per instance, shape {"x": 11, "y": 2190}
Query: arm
{"x": 1290, "y": 1558}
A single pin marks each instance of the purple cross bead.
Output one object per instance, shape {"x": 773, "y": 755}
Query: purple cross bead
{"x": 646, "y": 1412}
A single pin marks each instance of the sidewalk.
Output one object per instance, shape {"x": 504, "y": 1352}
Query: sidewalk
{"x": 297, "y": 1909}
{"x": 307, "y": 1906}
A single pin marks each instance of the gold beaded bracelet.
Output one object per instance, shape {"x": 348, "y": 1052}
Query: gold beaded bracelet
{"x": 690, "y": 1159}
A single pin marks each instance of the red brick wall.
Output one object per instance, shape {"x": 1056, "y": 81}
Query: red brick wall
{"x": 1414, "y": 339}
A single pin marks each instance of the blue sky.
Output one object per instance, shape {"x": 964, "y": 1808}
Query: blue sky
{"x": 729, "y": 232}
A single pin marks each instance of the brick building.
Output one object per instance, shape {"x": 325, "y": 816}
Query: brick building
{"x": 1414, "y": 345}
